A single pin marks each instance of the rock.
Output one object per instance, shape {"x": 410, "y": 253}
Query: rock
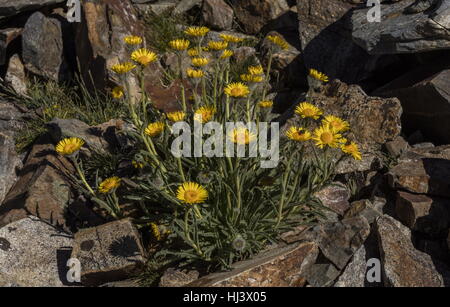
{"x": 403, "y": 265}
{"x": 280, "y": 267}
{"x": 243, "y": 53}
{"x": 42, "y": 189}
{"x": 430, "y": 215}
{"x": 33, "y": 254}
{"x": 335, "y": 197}
{"x": 424, "y": 176}
{"x": 11, "y": 8}
{"x": 370, "y": 210}
{"x": 425, "y": 97}
{"x": 402, "y": 33}
{"x": 7, "y": 36}
{"x": 9, "y": 165}
{"x": 15, "y": 76}
{"x": 254, "y": 15}
{"x": 109, "y": 252}
{"x": 435, "y": 152}
{"x": 321, "y": 275}
{"x": 397, "y": 146}
{"x": 324, "y": 35}
{"x": 354, "y": 274}
{"x": 100, "y": 45}
{"x": 186, "y": 5}
{"x": 338, "y": 241}
{"x": 177, "y": 278}
{"x": 218, "y": 14}
{"x": 159, "y": 7}
{"x": 128, "y": 283}
{"x": 42, "y": 44}
{"x": 373, "y": 121}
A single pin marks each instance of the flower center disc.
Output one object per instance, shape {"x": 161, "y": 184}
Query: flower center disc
{"x": 236, "y": 92}
{"x": 326, "y": 137}
{"x": 308, "y": 112}
{"x": 190, "y": 196}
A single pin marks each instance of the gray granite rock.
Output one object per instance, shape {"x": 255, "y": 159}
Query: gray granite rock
{"x": 33, "y": 254}
{"x": 10, "y": 8}
{"x": 9, "y": 164}
{"x": 354, "y": 274}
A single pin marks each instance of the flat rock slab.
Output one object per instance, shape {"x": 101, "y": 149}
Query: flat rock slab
{"x": 400, "y": 33}
{"x": 354, "y": 274}
{"x": 11, "y": 8}
{"x": 403, "y": 265}
{"x": 33, "y": 254}
{"x": 109, "y": 252}
{"x": 280, "y": 267}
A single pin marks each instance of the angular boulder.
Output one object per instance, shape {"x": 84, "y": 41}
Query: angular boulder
{"x": 403, "y": 265}
{"x": 10, "y": 163}
{"x": 33, "y": 254}
{"x": 402, "y": 33}
{"x": 10, "y": 8}
{"x": 218, "y": 14}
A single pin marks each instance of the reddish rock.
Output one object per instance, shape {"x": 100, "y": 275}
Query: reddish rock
{"x": 279, "y": 267}
{"x": 335, "y": 197}
{"x": 218, "y": 14}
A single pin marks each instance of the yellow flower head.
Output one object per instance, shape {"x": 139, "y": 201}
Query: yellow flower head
{"x": 324, "y": 136}
{"x": 123, "y": 68}
{"x": 177, "y": 116}
{"x": 179, "y": 44}
{"x": 196, "y": 31}
{"x": 193, "y": 52}
{"x": 352, "y": 150}
{"x": 143, "y": 56}
{"x": 192, "y": 193}
{"x": 237, "y": 90}
{"x": 199, "y": 62}
{"x": 155, "y": 231}
{"x": 265, "y": 104}
{"x": 277, "y": 40}
{"x": 109, "y": 185}
{"x": 256, "y": 70}
{"x": 298, "y": 134}
{"x": 117, "y": 92}
{"x": 69, "y": 146}
{"x": 195, "y": 73}
{"x": 154, "y": 129}
{"x": 217, "y": 45}
{"x": 242, "y": 136}
{"x": 204, "y": 114}
{"x": 318, "y": 75}
{"x": 252, "y": 78}
{"x": 231, "y": 38}
{"x": 137, "y": 164}
{"x": 133, "y": 40}
{"x": 306, "y": 110}
{"x": 226, "y": 54}
{"x": 336, "y": 123}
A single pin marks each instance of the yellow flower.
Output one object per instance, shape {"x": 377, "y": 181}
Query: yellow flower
{"x": 352, "y": 149}
{"x": 318, "y": 75}
{"x": 237, "y": 90}
{"x": 199, "y": 62}
{"x": 252, "y": 78}
{"x": 324, "y": 136}
{"x": 143, "y": 56}
{"x": 336, "y": 123}
{"x": 193, "y": 52}
{"x": 196, "y": 31}
{"x": 306, "y": 110}
{"x": 298, "y": 134}
{"x": 226, "y": 54}
{"x": 179, "y": 44}
{"x": 265, "y": 104}
{"x": 256, "y": 70}
{"x": 242, "y": 136}
{"x": 154, "y": 129}
{"x": 277, "y": 40}
{"x": 69, "y": 146}
{"x": 133, "y": 40}
{"x": 117, "y": 92}
{"x": 176, "y": 116}
{"x": 155, "y": 231}
{"x": 192, "y": 193}
{"x": 195, "y": 73}
{"x": 217, "y": 45}
{"x": 109, "y": 184}
{"x": 137, "y": 164}
{"x": 204, "y": 114}
{"x": 123, "y": 68}
{"x": 231, "y": 38}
